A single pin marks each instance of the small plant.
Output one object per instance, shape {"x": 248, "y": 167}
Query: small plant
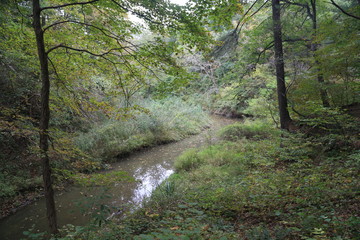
{"x": 168, "y": 188}
{"x": 258, "y": 233}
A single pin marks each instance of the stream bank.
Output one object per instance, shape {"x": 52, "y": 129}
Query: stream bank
{"x": 149, "y": 167}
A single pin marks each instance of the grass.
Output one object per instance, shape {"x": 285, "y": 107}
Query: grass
{"x": 254, "y": 129}
{"x": 253, "y": 188}
{"x": 166, "y": 121}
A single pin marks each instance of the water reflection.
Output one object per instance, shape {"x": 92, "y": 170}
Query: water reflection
{"x": 149, "y": 181}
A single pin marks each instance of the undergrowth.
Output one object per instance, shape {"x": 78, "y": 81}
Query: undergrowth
{"x": 164, "y": 121}
{"x": 74, "y": 154}
{"x": 257, "y": 186}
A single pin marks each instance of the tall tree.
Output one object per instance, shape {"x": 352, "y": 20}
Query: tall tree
{"x": 285, "y": 119}
{"x": 314, "y": 48}
{"x": 44, "y": 117}
{"x": 310, "y": 6}
{"x": 116, "y": 51}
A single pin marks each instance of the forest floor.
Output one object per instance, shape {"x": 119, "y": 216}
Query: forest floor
{"x": 258, "y": 183}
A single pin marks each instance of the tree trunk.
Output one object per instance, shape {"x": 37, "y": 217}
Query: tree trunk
{"x": 44, "y": 118}
{"x": 285, "y": 119}
{"x": 314, "y": 47}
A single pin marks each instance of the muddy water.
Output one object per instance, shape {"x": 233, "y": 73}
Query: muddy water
{"x": 149, "y": 167}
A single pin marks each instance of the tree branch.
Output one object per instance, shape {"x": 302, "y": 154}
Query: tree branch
{"x": 343, "y": 11}
{"x": 83, "y": 50}
{"x": 106, "y": 32}
{"x": 136, "y": 13}
{"x": 269, "y": 46}
{"x": 296, "y": 40}
{"x": 254, "y": 13}
{"x": 306, "y": 6}
{"x": 295, "y": 3}
{"x": 238, "y": 24}
{"x": 68, "y": 5}
{"x": 55, "y": 24}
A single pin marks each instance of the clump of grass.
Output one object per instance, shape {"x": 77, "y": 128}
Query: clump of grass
{"x": 250, "y": 129}
{"x": 167, "y": 120}
{"x": 213, "y": 155}
{"x": 188, "y": 160}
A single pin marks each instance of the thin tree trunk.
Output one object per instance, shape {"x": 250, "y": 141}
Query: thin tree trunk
{"x": 285, "y": 119}
{"x": 44, "y": 118}
{"x": 314, "y": 47}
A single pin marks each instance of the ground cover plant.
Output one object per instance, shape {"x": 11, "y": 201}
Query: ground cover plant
{"x": 251, "y": 188}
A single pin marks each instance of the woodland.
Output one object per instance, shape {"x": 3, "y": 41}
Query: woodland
{"x": 85, "y": 82}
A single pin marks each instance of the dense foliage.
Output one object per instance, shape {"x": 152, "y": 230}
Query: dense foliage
{"x": 118, "y": 86}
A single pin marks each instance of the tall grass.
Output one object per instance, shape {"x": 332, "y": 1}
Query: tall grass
{"x": 167, "y": 120}
{"x": 250, "y": 129}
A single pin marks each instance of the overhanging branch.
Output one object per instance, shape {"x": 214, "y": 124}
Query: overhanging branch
{"x": 136, "y": 13}
{"x": 69, "y": 4}
{"x": 343, "y": 11}
{"x": 106, "y": 32}
{"x": 84, "y": 50}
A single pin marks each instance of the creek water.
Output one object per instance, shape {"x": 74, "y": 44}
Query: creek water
{"x": 149, "y": 167}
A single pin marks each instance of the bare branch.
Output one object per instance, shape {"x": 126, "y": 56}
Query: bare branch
{"x": 254, "y": 13}
{"x": 69, "y": 4}
{"x": 84, "y": 50}
{"x": 238, "y": 24}
{"x": 55, "y": 24}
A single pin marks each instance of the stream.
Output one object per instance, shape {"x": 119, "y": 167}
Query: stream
{"x": 149, "y": 167}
